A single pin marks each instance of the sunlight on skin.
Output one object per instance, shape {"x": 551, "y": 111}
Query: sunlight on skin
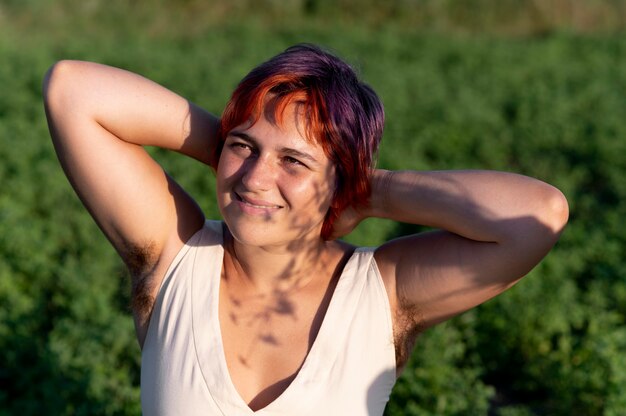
{"x": 274, "y": 188}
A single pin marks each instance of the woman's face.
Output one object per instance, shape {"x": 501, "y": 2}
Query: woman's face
{"x": 273, "y": 186}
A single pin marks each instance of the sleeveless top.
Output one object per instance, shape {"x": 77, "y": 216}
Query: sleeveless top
{"x": 349, "y": 370}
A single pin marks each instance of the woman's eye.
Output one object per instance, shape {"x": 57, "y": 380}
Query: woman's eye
{"x": 291, "y": 161}
{"x": 240, "y": 147}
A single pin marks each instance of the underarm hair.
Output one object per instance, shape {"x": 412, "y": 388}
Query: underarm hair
{"x": 409, "y": 324}
{"x": 141, "y": 261}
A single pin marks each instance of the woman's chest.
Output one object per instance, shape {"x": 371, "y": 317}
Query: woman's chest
{"x": 266, "y": 340}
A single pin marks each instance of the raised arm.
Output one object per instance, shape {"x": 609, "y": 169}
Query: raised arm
{"x": 99, "y": 119}
{"x": 494, "y": 227}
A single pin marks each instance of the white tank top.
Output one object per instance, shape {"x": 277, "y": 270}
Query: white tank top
{"x": 349, "y": 370}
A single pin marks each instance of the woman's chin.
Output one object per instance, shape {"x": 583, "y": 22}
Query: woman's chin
{"x": 252, "y": 235}
{"x": 270, "y": 235}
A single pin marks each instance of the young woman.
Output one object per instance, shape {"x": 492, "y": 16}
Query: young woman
{"x": 267, "y": 312}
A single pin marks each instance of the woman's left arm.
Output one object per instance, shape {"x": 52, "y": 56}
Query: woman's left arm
{"x": 493, "y": 228}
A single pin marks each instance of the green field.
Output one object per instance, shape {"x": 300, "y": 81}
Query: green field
{"x": 545, "y": 100}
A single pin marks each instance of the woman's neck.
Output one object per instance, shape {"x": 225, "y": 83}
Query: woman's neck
{"x": 263, "y": 270}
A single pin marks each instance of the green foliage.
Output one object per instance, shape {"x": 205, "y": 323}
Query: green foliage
{"x": 551, "y": 107}
{"x": 442, "y": 377}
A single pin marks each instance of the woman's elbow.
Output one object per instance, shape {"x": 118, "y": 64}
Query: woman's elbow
{"x": 54, "y": 80}
{"x": 555, "y": 211}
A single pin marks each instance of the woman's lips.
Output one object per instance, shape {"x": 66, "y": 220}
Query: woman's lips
{"x": 256, "y": 203}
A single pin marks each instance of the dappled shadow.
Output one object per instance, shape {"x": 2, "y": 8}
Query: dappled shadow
{"x": 270, "y": 324}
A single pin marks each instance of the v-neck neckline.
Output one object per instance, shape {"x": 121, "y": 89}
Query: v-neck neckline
{"x": 215, "y": 368}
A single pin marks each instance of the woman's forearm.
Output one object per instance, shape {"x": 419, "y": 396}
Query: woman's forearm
{"x": 131, "y": 107}
{"x": 483, "y": 206}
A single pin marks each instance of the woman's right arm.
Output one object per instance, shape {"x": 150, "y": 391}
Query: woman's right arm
{"x": 99, "y": 119}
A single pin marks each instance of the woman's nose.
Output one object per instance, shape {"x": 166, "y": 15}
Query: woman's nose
{"x": 259, "y": 174}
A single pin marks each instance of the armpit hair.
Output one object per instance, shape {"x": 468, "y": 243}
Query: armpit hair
{"x": 409, "y": 324}
{"x": 141, "y": 261}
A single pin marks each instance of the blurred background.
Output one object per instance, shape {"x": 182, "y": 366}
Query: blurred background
{"x": 531, "y": 86}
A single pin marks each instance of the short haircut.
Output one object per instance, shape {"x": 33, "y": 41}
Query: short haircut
{"x": 342, "y": 114}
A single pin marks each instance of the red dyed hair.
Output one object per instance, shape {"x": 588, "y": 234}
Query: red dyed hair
{"x": 342, "y": 114}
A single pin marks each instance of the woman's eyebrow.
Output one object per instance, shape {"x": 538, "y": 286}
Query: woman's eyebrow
{"x": 242, "y": 135}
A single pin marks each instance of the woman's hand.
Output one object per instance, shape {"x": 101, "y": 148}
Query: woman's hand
{"x": 352, "y": 216}
{"x": 348, "y": 220}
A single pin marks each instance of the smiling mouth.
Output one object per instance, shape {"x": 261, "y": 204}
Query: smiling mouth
{"x": 255, "y": 203}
